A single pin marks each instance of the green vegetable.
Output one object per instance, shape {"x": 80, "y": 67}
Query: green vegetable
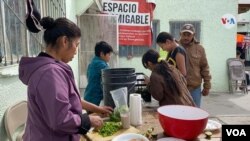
{"x": 109, "y": 128}
{"x": 115, "y": 116}
{"x": 123, "y": 109}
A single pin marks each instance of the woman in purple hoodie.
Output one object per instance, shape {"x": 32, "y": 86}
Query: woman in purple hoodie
{"x": 54, "y": 103}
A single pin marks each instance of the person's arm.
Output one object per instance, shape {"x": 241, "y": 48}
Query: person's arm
{"x": 156, "y": 87}
{"x": 146, "y": 79}
{"x": 205, "y": 73}
{"x": 96, "y": 109}
{"x": 181, "y": 63}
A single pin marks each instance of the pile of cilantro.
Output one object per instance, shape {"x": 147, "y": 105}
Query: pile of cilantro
{"x": 109, "y": 128}
{"x": 114, "y": 124}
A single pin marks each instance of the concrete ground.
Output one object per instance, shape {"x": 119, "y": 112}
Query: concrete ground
{"x": 217, "y": 104}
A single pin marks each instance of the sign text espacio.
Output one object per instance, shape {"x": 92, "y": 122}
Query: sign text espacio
{"x": 134, "y": 18}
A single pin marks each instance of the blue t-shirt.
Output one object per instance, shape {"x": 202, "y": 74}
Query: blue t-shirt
{"x": 94, "y": 92}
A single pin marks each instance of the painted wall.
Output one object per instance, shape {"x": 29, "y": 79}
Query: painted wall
{"x": 71, "y": 14}
{"x": 82, "y": 5}
{"x": 218, "y": 41}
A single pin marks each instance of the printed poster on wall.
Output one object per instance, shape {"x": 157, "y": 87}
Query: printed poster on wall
{"x": 134, "y": 18}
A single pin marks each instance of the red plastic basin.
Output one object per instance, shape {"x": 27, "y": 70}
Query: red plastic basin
{"x": 184, "y": 122}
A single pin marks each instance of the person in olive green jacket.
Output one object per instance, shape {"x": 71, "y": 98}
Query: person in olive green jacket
{"x": 197, "y": 64}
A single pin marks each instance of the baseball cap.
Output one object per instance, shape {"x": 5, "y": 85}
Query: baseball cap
{"x": 188, "y": 28}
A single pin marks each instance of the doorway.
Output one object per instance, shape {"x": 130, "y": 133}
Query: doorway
{"x": 95, "y": 28}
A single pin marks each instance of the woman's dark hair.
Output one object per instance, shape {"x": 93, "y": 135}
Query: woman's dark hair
{"x": 163, "y": 37}
{"x": 151, "y": 56}
{"x": 57, "y": 28}
{"x": 103, "y": 47}
{"x": 163, "y": 69}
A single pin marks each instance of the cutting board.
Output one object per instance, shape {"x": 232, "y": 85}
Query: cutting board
{"x": 94, "y": 136}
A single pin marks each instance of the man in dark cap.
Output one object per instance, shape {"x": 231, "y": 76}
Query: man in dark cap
{"x": 197, "y": 64}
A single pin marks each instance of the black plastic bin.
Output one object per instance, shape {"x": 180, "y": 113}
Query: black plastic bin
{"x": 116, "y": 78}
{"x": 122, "y": 71}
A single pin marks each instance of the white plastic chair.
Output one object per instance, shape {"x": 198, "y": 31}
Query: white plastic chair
{"x": 15, "y": 117}
{"x": 236, "y": 71}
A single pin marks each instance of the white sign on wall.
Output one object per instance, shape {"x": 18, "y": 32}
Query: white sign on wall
{"x": 228, "y": 21}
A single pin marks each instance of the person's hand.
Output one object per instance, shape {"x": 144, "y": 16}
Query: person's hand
{"x": 205, "y": 92}
{"x": 147, "y": 79}
{"x": 96, "y": 121}
{"x": 106, "y": 110}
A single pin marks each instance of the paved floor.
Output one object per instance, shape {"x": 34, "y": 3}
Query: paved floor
{"x": 226, "y": 104}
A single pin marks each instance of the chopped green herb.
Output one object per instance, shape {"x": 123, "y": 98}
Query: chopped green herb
{"x": 109, "y": 128}
{"x": 115, "y": 116}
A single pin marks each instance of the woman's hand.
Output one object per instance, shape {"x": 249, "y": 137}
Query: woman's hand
{"x": 106, "y": 110}
{"x": 96, "y": 121}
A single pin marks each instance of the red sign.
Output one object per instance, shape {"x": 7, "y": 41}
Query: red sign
{"x": 134, "y": 18}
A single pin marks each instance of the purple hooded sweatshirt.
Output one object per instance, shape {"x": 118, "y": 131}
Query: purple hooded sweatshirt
{"x": 54, "y": 105}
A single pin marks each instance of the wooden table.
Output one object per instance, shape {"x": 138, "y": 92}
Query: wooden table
{"x": 150, "y": 119}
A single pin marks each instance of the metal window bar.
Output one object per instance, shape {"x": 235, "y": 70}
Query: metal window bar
{"x": 62, "y": 7}
{"x": 1, "y": 30}
{"x": 11, "y": 46}
{"x": 4, "y": 33}
{"x": 16, "y": 38}
{"x": 175, "y": 28}
{"x": 57, "y": 8}
{"x": 12, "y": 28}
{"x": 10, "y": 40}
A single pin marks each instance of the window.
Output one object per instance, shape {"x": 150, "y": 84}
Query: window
{"x": 12, "y": 31}
{"x": 175, "y": 27}
{"x": 54, "y": 8}
{"x": 137, "y": 51}
{"x": 15, "y": 41}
